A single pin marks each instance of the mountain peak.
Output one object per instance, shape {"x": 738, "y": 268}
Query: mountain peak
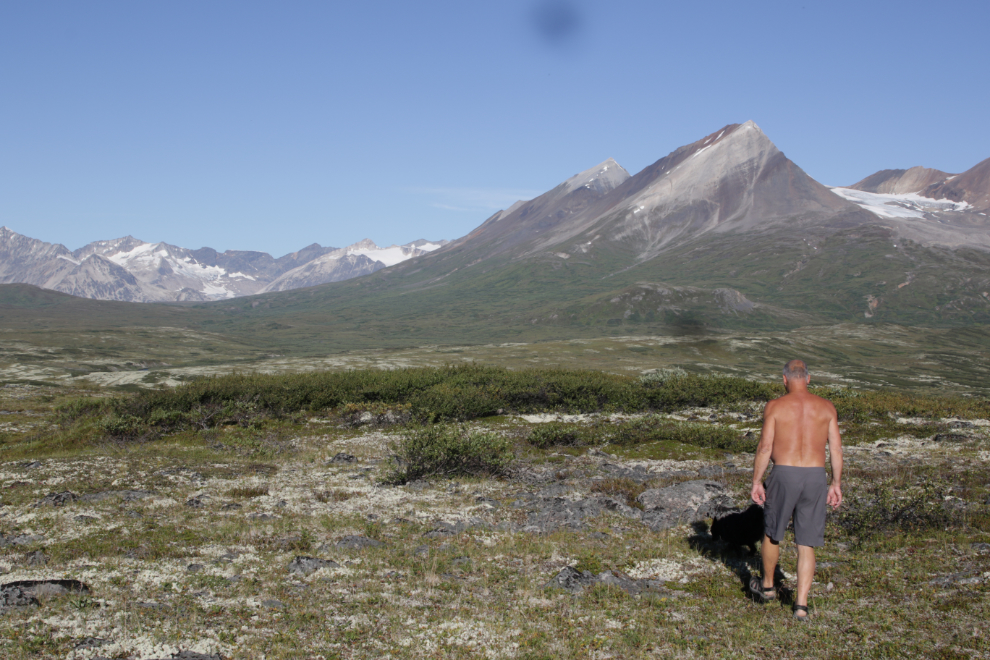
{"x": 601, "y": 178}
{"x": 900, "y": 182}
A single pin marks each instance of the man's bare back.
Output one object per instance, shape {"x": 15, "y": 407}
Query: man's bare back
{"x": 797, "y": 427}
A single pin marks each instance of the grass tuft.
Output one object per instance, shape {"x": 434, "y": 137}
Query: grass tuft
{"x": 443, "y": 450}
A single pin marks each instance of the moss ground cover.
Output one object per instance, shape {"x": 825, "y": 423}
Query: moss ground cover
{"x": 201, "y": 561}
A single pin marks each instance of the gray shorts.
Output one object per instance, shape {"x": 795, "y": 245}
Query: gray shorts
{"x": 800, "y": 492}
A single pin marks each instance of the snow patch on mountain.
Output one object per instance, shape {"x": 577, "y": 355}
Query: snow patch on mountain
{"x": 904, "y": 205}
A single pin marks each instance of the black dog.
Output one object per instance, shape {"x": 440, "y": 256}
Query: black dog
{"x": 739, "y": 529}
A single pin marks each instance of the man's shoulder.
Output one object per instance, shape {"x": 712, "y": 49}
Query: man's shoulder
{"x": 823, "y": 403}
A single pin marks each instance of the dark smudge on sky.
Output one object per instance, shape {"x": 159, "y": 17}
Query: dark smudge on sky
{"x": 556, "y": 21}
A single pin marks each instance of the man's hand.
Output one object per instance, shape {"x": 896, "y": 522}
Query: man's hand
{"x": 759, "y": 495}
{"x": 834, "y": 496}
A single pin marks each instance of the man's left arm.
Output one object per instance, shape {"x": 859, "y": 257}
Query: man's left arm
{"x": 835, "y": 458}
{"x": 763, "y": 452}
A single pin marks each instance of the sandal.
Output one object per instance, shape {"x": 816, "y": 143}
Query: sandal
{"x": 762, "y": 593}
{"x": 800, "y": 608}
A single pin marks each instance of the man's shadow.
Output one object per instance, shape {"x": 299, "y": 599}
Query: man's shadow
{"x": 743, "y": 563}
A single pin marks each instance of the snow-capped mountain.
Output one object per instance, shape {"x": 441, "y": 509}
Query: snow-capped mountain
{"x": 133, "y": 270}
{"x": 929, "y": 206}
{"x": 359, "y": 259}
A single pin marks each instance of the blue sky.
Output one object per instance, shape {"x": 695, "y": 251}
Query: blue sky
{"x": 269, "y": 126}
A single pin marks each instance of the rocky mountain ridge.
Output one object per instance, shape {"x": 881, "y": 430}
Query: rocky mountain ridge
{"x": 132, "y": 270}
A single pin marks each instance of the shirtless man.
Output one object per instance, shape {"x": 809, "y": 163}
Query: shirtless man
{"x": 796, "y": 428}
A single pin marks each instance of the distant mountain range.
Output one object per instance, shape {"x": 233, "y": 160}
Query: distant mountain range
{"x": 723, "y": 233}
{"x": 132, "y": 270}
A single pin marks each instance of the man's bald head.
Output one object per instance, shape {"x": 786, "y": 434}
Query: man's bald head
{"x": 796, "y": 370}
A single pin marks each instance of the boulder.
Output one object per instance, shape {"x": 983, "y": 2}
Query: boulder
{"x": 358, "y": 543}
{"x": 682, "y": 503}
{"x": 307, "y": 565}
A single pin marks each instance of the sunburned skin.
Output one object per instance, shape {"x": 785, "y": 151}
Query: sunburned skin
{"x": 797, "y": 427}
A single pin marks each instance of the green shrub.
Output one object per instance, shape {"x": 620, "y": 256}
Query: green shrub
{"x": 662, "y": 376}
{"x": 556, "y": 434}
{"x": 73, "y": 409}
{"x": 658, "y": 429}
{"x": 879, "y": 509}
{"x": 460, "y": 393}
{"x": 443, "y": 450}
{"x": 446, "y": 402}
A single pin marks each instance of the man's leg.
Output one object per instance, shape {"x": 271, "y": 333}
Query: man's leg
{"x": 805, "y": 571}
{"x": 770, "y": 552}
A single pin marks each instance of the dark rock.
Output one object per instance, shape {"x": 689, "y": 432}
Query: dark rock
{"x": 147, "y": 605}
{"x": 956, "y": 578}
{"x": 445, "y": 529}
{"x": 711, "y": 471}
{"x": 194, "y": 568}
{"x": 555, "y": 490}
{"x": 308, "y": 565}
{"x": 126, "y": 495}
{"x": 20, "y": 539}
{"x": 13, "y": 596}
{"x": 192, "y": 655}
{"x": 358, "y": 543}
{"x": 571, "y": 579}
{"x": 949, "y": 437}
{"x": 622, "y": 581}
{"x": 575, "y": 581}
{"x": 637, "y": 473}
{"x": 343, "y": 458}
{"x": 559, "y": 513}
{"x": 686, "y": 502}
{"x": 36, "y": 558}
{"x": 48, "y": 587}
{"x": 57, "y": 499}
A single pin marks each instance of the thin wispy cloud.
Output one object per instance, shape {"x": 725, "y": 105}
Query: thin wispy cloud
{"x": 465, "y": 200}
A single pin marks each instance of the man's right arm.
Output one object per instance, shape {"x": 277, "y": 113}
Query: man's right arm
{"x": 835, "y": 457}
{"x": 763, "y": 452}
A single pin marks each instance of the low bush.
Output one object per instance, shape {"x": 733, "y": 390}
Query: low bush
{"x": 444, "y": 450}
{"x": 333, "y": 495}
{"x": 459, "y": 393}
{"x": 662, "y": 376}
{"x": 880, "y": 509}
{"x": 555, "y": 434}
{"x": 658, "y": 429}
{"x": 374, "y": 414}
{"x": 247, "y": 492}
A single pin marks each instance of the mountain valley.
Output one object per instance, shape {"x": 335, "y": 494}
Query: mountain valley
{"x": 722, "y": 237}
